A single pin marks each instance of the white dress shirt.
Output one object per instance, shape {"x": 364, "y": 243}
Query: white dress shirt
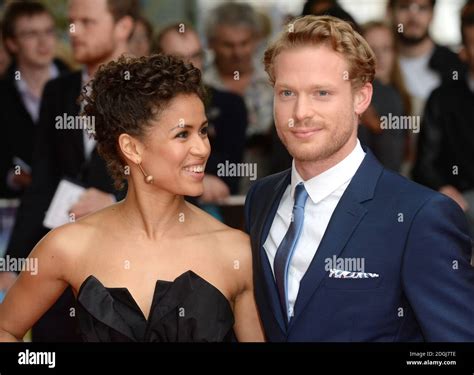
{"x": 89, "y": 141}
{"x": 31, "y": 102}
{"x": 32, "y": 105}
{"x": 419, "y": 78}
{"x": 325, "y": 191}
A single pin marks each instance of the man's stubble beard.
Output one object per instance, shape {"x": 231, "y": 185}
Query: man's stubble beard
{"x": 335, "y": 143}
{"x": 413, "y": 41}
{"x": 104, "y": 56}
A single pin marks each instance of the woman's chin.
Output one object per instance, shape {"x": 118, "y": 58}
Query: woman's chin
{"x": 195, "y": 191}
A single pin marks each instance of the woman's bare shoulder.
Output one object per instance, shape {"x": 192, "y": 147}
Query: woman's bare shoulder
{"x": 67, "y": 242}
{"x": 233, "y": 242}
{"x": 235, "y": 254}
{"x": 63, "y": 242}
{"x": 235, "y": 238}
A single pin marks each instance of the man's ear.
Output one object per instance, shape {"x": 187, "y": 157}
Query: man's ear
{"x": 431, "y": 17}
{"x": 362, "y": 98}
{"x": 463, "y": 55}
{"x": 12, "y": 47}
{"x": 389, "y": 13}
{"x": 131, "y": 148}
{"x": 211, "y": 42}
{"x": 124, "y": 28}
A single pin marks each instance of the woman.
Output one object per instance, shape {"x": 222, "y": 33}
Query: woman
{"x": 151, "y": 267}
{"x": 390, "y": 99}
{"x": 141, "y": 40}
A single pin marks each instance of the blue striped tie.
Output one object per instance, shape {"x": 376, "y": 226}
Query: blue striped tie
{"x": 288, "y": 245}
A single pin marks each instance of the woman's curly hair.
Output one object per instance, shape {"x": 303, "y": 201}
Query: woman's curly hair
{"x": 127, "y": 93}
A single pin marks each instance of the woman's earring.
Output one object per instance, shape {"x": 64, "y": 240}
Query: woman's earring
{"x": 148, "y": 179}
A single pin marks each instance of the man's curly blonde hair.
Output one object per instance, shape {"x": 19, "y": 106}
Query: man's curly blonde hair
{"x": 330, "y": 31}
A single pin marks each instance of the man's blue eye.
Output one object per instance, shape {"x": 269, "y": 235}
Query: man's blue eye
{"x": 286, "y": 93}
{"x": 323, "y": 93}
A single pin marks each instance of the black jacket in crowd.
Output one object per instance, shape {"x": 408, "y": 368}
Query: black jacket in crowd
{"x": 445, "y": 153}
{"x": 18, "y": 128}
{"x": 447, "y": 64}
{"x": 58, "y": 153}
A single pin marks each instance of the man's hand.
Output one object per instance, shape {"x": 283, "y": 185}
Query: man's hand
{"x": 18, "y": 181}
{"x": 90, "y": 201}
{"x": 23, "y": 180}
{"x": 455, "y": 195}
{"x": 214, "y": 189}
{"x": 7, "y": 279}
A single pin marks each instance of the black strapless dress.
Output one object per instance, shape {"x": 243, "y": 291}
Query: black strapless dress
{"x": 188, "y": 309}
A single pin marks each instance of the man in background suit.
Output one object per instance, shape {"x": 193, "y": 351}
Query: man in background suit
{"x": 99, "y": 33}
{"x": 344, "y": 249}
{"x": 30, "y": 36}
{"x": 5, "y": 58}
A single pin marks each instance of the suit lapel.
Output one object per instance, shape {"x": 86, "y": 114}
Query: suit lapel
{"x": 18, "y": 102}
{"x": 269, "y": 211}
{"x": 344, "y": 221}
{"x": 346, "y": 217}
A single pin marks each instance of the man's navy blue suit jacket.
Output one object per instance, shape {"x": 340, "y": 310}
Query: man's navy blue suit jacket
{"x": 413, "y": 238}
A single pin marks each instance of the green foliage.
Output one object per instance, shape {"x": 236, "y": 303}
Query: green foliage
{"x": 59, "y": 10}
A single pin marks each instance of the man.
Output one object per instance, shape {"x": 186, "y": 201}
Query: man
{"x": 281, "y": 159}
{"x": 328, "y": 8}
{"x": 446, "y": 142}
{"x": 233, "y": 32}
{"x": 425, "y": 65}
{"x": 100, "y": 30}
{"x": 226, "y": 113}
{"x": 5, "y": 58}
{"x": 30, "y": 37}
{"x": 345, "y": 250}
